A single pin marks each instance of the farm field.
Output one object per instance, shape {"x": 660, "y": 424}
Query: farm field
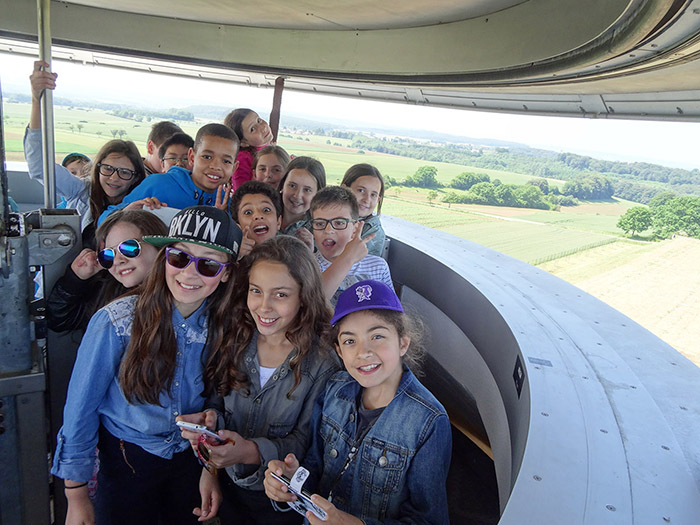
{"x": 524, "y": 240}
{"x": 655, "y": 284}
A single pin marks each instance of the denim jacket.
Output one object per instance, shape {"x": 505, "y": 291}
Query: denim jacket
{"x": 95, "y": 396}
{"x": 400, "y": 470}
{"x": 277, "y": 424}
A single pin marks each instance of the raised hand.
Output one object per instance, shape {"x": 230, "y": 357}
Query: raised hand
{"x": 277, "y": 490}
{"x": 85, "y": 265}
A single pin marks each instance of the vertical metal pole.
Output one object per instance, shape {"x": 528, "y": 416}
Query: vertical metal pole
{"x": 48, "y": 148}
{"x": 276, "y": 105}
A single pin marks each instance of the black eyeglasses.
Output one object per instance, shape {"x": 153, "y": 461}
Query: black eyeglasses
{"x": 204, "y": 266}
{"x": 123, "y": 173}
{"x": 338, "y": 223}
{"x": 130, "y": 248}
{"x": 176, "y": 160}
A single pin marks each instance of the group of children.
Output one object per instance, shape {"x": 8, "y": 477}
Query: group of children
{"x": 223, "y": 322}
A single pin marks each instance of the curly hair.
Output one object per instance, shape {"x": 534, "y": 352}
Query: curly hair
{"x": 225, "y": 369}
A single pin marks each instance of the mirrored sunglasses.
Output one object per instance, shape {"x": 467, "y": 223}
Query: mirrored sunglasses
{"x": 130, "y": 248}
{"x": 204, "y": 266}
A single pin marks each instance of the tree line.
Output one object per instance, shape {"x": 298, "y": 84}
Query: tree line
{"x": 666, "y": 215}
{"x": 628, "y": 180}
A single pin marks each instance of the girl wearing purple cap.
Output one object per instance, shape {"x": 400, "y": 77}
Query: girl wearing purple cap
{"x": 381, "y": 442}
{"x": 140, "y": 366}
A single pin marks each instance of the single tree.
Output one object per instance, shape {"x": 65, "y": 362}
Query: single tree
{"x": 636, "y": 220}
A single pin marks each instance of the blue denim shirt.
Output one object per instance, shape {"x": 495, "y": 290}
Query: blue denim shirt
{"x": 95, "y": 396}
{"x": 400, "y": 470}
{"x": 277, "y": 424}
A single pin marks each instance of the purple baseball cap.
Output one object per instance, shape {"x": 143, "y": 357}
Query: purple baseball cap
{"x": 366, "y": 295}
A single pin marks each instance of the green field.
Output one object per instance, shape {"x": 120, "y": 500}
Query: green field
{"x": 523, "y": 240}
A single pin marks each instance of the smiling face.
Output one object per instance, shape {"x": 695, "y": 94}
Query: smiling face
{"x": 213, "y": 162}
{"x": 269, "y": 169}
{"x": 371, "y": 350}
{"x": 114, "y": 187}
{"x": 257, "y": 214}
{"x": 367, "y": 189}
{"x": 188, "y": 287}
{"x": 129, "y": 271}
{"x": 299, "y": 188}
{"x": 273, "y": 297}
{"x": 330, "y": 242}
{"x": 256, "y": 132}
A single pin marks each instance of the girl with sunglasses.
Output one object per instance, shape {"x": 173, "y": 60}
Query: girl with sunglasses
{"x": 117, "y": 168}
{"x": 268, "y": 376}
{"x": 84, "y": 288}
{"x": 139, "y": 367}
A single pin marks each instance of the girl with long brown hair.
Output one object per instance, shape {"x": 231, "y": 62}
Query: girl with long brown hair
{"x": 268, "y": 378}
{"x": 139, "y": 367}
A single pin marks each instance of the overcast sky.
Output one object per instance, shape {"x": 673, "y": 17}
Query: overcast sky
{"x": 666, "y": 143}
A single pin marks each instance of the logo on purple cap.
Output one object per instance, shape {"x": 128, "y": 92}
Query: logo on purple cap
{"x": 364, "y": 293}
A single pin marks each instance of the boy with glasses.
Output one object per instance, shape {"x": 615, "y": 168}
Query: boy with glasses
{"x": 175, "y": 152}
{"x": 342, "y": 255}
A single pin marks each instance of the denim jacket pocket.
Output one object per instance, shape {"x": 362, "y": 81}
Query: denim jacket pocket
{"x": 280, "y": 430}
{"x": 383, "y": 465}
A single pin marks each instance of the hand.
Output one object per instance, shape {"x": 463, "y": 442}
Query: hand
{"x": 223, "y": 193}
{"x": 80, "y": 509}
{"x": 335, "y": 516}
{"x": 234, "y": 450}
{"x": 277, "y": 490}
{"x": 152, "y": 203}
{"x": 208, "y": 419}
{"x": 306, "y": 237}
{"x": 85, "y": 265}
{"x": 356, "y": 249}
{"x": 247, "y": 243}
{"x": 210, "y": 491}
{"x": 41, "y": 80}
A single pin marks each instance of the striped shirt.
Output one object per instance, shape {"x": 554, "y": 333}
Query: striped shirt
{"x": 369, "y": 267}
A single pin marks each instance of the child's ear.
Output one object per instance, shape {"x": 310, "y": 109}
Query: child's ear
{"x": 150, "y": 147}
{"x": 337, "y": 350}
{"x": 279, "y": 223}
{"x": 190, "y": 157}
{"x": 235, "y": 166}
{"x": 404, "y": 343}
{"x": 227, "y": 273}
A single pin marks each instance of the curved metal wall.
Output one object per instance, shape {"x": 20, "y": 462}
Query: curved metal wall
{"x": 605, "y": 428}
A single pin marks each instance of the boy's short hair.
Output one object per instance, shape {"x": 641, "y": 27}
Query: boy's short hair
{"x": 178, "y": 139}
{"x": 161, "y": 131}
{"x": 336, "y": 196}
{"x": 254, "y": 187}
{"x": 216, "y": 130}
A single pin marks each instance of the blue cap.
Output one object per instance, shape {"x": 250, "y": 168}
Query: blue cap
{"x": 366, "y": 295}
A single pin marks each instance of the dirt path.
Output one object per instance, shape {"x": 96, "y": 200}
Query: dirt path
{"x": 660, "y": 289}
